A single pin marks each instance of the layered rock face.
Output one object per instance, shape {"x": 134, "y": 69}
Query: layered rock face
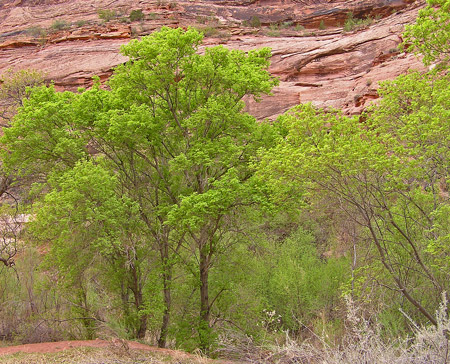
{"x": 316, "y": 58}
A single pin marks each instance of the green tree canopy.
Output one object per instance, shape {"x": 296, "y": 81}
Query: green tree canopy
{"x": 388, "y": 173}
{"x": 174, "y": 142}
{"x": 430, "y": 34}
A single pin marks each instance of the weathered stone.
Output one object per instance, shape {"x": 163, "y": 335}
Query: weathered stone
{"x": 327, "y": 67}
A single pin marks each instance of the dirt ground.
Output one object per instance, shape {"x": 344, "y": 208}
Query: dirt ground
{"x": 110, "y": 352}
{"x": 52, "y": 347}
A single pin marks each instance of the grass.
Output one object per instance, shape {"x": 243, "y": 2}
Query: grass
{"x": 87, "y": 355}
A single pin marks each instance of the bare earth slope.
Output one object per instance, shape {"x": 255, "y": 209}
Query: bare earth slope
{"x": 328, "y": 67}
{"x": 103, "y": 352}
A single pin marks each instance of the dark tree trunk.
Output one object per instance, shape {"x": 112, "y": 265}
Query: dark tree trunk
{"x": 204, "y": 301}
{"x": 163, "y": 242}
{"x": 166, "y": 316}
{"x": 136, "y": 288}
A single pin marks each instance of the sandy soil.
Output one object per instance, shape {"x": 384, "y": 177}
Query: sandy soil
{"x": 52, "y": 347}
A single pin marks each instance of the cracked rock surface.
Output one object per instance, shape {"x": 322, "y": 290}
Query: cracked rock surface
{"x": 70, "y": 42}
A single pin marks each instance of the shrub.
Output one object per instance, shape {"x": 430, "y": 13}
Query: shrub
{"x": 354, "y": 23}
{"x": 136, "y": 15}
{"x": 273, "y": 31}
{"x": 286, "y": 24}
{"x": 106, "y": 14}
{"x": 36, "y": 32}
{"x": 209, "y": 31}
{"x": 80, "y": 23}
{"x": 364, "y": 344}
{"x": 202, "y": 19}
{"x": 322, "y": 25}
{"x": 60, "y": 25}
{"x": 255, "y": 22}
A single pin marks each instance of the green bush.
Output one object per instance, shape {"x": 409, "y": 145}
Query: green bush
{"x": 298, "y": 285}
{"x": 354, "y": 23}
{"x": 136, "y": 15}
{"x": 255, "y": 22}
{"x": 37, "y": 32}
{"x": 60, "y": 25}
{"x": 209, "y": 31}
{"x": 80, "y": 23}
{"x": 106, "y": 14}
{"x": 286, "y": 25}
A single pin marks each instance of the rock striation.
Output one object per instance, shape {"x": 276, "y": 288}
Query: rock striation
{"x": 321, "y": 53}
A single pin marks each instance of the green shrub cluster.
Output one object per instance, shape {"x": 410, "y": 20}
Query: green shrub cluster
{"x": 352, "y": 23}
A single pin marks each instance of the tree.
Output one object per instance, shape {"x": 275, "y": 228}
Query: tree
{"x": 430, "y": 34}
{"x": 172, "y": 134}
{"x": 13, "y": 91}
{"x": 388, "y": 170}
{"x": 389, "y": 174}
{"x": 202, "y": 142}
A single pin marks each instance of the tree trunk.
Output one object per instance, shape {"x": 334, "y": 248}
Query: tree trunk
{"x": 142, "y": 327}
{"x": 167, "y": 277}
{"x": 204, "y": 302}
{"x": 136, "y": 288}
{"x": 163, "y": 242}
{"x": 165, "y": 320}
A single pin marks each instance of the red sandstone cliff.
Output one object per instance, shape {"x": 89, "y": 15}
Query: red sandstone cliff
{"x": 315, "y": 59}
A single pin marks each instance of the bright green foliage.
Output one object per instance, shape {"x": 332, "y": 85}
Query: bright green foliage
{"x": 90, "y": 224}
{"x": 389, "y": 175}
{"x": 201, "y": 142}
{"x": 44, "y": 136}
{"x": 298, "y": 286}
{"x": 84, "y": 205}
{"x": 430, "y": 35}
{"x": 172, "y": 165}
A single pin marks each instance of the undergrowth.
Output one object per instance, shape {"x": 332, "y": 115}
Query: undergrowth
{"x": 363, "y": 343}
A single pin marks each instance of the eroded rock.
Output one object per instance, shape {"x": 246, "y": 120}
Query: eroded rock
{"x": 327, "y": 66}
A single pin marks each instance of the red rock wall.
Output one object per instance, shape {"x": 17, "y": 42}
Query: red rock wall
{"x": 328, "y": 67}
